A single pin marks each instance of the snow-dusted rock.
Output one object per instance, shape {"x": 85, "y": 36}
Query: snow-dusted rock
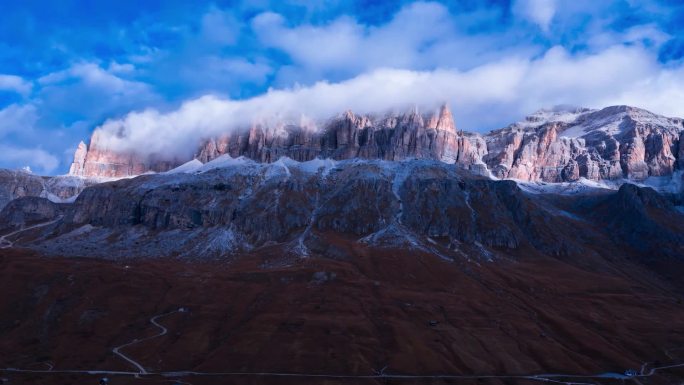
{"x": 389, "y": 137}
{"x": 58, "y": 189}
{"x": 187, "y": 167}
{"x": 77, "y": 166}
{"x": 552, "y": 145}
{"x": 100, "y": 161}
{"x": 16, "y": 184}
{"x": 239, "y": 206}
{"x": 612, "y": 143}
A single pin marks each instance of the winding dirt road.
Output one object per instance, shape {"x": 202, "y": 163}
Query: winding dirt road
{"x": 557, "y": 378}
{"x": 163, "y": 331}
{"x": 6, "y": 243}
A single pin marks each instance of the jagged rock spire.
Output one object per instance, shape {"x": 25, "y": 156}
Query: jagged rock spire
{"x": 446, "y": 119}
{"x": 79, "y": 159}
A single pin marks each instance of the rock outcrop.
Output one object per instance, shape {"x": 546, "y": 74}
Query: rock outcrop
{"x": 644, "y": 220}
{"x": 97, "y": 160}
{"x": 422, "y": 205}
{"x": 77, "y": 167}
{"x": 27, "y": 210}
{"x": 612, "y": 143}
{"x": 390, "y": 137}
{"x": 16, "y": 184}
{"x": 539, "y": 154}
{"x": 393, "y": 137}
{"x": 680, "y": 154}
{"x": 551, "y": 145}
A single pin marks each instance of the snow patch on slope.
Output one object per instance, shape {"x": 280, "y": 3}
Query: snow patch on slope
{"x": 567, "y": 188}
{"x": 313, "y": 166}
{"x": 224, "y": 161}
{"x": 664, "y": 184}
{"x": 187, "y": 167}
{"x": 278, "y": 169}
{"x": 610, "y": 121}
{"x": 668, "y": 184}
{"x": 563, "y": 114}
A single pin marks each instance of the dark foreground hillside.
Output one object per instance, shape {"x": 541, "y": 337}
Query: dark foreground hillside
{"x": 379, "y": 311}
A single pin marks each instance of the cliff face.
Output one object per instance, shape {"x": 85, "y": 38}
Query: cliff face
{"x": 551, "y": 146}
{"x": 251, "y": 205}
{"x": 680, "y": 152}
{"x": 98, "y": 160}
{"x": 16, "y": 184}
{"x": 393, "y": 137}
{"x": 612, "y": 143}
{"x": 78, "y": 165}
{"x": 420, "y": 205}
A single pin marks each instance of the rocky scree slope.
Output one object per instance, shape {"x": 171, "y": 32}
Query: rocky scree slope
{"x": 329, "y": 208}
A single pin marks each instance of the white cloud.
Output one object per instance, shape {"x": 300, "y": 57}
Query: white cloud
{"x": 648, "y": 34}
{"x": 117, "y": 68}
{"x": 220, "y": 27}
{"x": 16, "y": 84}
{"x": 488, "y": 96}
{"x": 17, "y": 118}
{"x": 88, "y": 91}
{"x": 329, "y": 46}
{"x": 219, "y": 73}
{"x": 34, "y": 158}
{"x": 414, "y": 38}
{"x": 540, "y": 12}
{"x": 82, "y": 92}
{"x": 92, "y": 75}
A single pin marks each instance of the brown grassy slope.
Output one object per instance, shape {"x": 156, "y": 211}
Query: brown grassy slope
{"x": 529, "y": 315}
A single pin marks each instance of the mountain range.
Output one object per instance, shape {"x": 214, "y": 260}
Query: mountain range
{"x": 553, "y": 145}
{"x": 548, "y": 249}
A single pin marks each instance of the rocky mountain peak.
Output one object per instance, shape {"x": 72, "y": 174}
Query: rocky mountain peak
{"x": 560, "y": 113}
{"x": 563, "y": 143}
{"x": 79, "y": 159}
{"x": 445, "y": 121}
{"x": 442, "y": 121}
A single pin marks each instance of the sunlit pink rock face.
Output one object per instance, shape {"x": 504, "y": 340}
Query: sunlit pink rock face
{"x": 551, "y": 145}
{"x": 79, "y": 159}
{"x": 98, "y": 160}
{"x": 390, "y": 137}
{"x": 612, "y": 143}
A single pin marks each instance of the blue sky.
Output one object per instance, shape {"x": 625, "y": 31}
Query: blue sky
{"x": 155, "y": 70}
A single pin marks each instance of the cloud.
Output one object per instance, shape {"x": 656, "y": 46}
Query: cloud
{"x": 62, "y": 108}
{"x": 19, "y": 138}
{"x": 540, "y": 12}
{"x": 15, "y": 84}
{"x": 116, "y": 68}
{"x": 645, "y": 34}
{"x": 87, "y": 91}
{"x": 35, "y": 158}
{"x": 485, "y": 97}
{"x": 492, "y": 61}
{"x": 220, "y": 73}
{"x": 420, "y": 35}
{"x": 17, "y": 118}
{"x": 92, "y": 75}
{"x": 220, "y": 27}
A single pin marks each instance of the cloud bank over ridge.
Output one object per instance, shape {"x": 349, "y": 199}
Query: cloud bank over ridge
{"x": 480, "y": 97}
{"x": 157, "y": 72}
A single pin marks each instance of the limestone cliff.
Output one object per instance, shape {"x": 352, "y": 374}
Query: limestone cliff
{"x": 550, "y": 145}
